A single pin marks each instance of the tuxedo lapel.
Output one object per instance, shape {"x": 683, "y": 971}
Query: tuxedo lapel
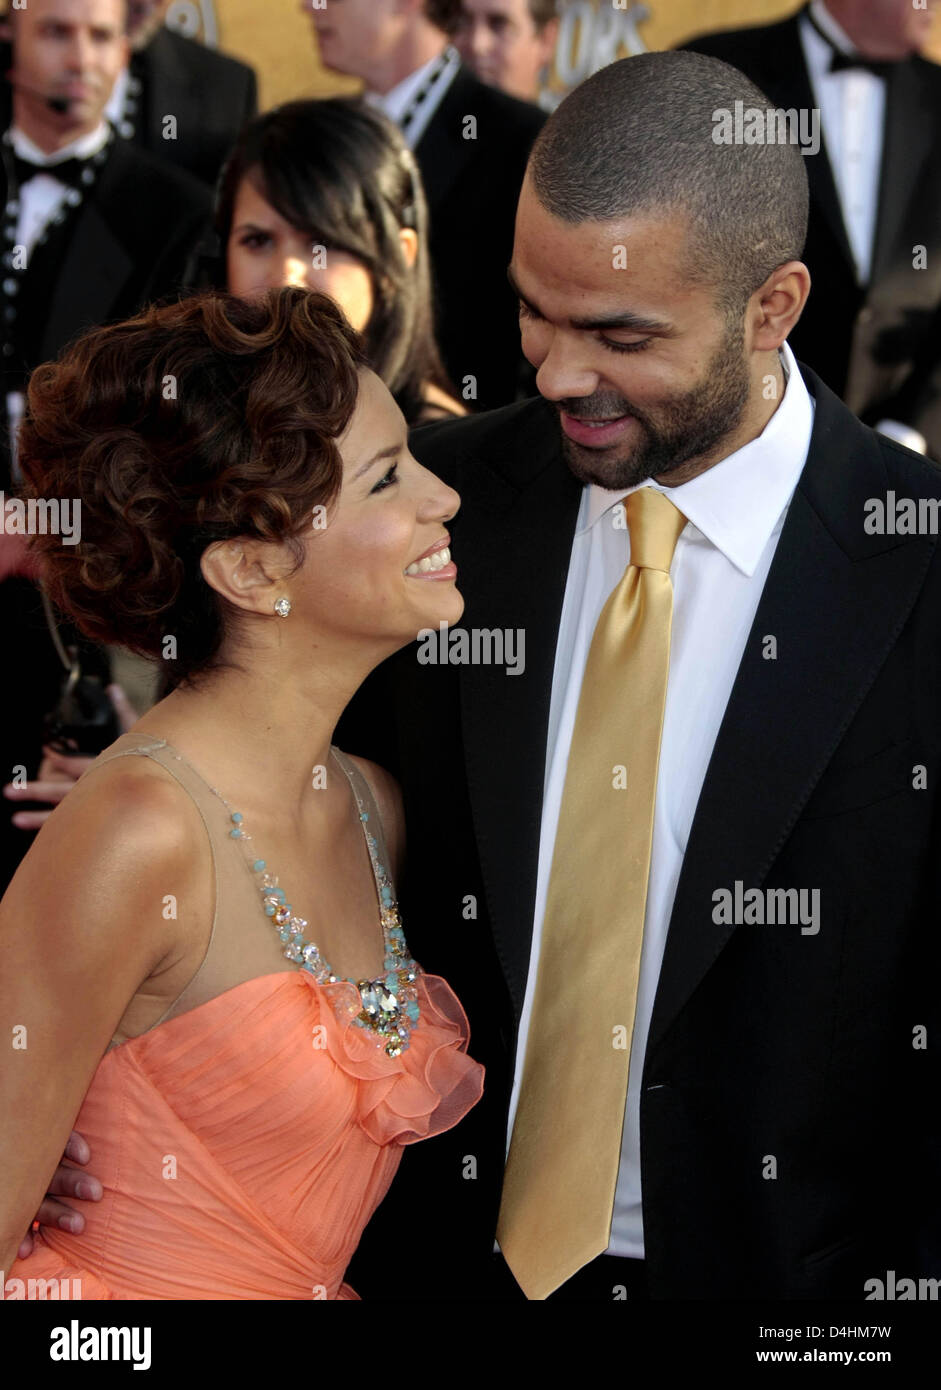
{"x": 910, "y": 135}
{"x": 516, "y": 582}
{"x": 167, "y": 91}
{"x": 90, "y": 279}
{"x": 834, "y": 602}
{"x": 442, "y": 152}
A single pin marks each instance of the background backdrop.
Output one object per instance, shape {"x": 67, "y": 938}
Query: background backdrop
{"x": 278, "y": 40}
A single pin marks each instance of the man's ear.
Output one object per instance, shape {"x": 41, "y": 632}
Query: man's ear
{"x": 778, "y": 304}
{"x": 248, "y": 573}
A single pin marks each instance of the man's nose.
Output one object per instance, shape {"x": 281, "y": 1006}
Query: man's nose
{"x": 564, "y": 370}
{"x": 80, "y": 52}
{"x": 479, "y": 40}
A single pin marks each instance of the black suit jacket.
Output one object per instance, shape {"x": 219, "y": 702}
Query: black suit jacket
{"x": 764, "y": 1042}
{"x": 876, "y": 345}
{"x": 473, "y": 186}
{"x": 210, "y": 94}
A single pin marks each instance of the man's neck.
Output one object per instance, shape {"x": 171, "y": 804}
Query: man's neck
{"x": 864, "y": 38}
{"x": 416, "y": 48}
{"x": 49, "y": 135}
{"x": 762, "y": 404}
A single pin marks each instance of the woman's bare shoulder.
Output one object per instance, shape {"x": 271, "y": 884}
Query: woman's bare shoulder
{"x": 108, "y": 854}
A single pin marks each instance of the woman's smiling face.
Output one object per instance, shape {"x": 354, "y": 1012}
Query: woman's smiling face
{"x": 389, "y": 515}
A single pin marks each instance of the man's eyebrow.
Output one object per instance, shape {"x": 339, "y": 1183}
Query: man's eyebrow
{"x": 635, "y": 323}
{"x": 518, "y": 292}
{"x": 388, "y": 453}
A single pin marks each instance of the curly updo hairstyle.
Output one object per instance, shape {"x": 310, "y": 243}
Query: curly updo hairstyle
{"x": 194, "y": 422}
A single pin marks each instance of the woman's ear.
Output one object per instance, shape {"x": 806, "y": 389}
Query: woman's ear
{"x": 245, "y": 572}
{"x": 409, "y": 239}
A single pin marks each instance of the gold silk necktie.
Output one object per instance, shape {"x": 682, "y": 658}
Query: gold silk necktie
{"x": 562, "y": 1169}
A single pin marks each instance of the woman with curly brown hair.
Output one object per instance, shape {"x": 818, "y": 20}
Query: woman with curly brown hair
{"x": 246, "y": 1059}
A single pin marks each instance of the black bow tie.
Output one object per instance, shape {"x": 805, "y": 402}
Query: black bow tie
{"x": 845, "y": 62}
{"x": 68, "y": 171}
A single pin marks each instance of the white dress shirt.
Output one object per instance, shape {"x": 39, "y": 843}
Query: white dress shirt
{"x": 395, "y": 103}
{"x": 43, "y": 196}
{"x": 736, "y": 512}
{"x": 39, "y": 201}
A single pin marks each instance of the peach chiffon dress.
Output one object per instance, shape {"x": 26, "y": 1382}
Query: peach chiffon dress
{"x": 244, "y": 1141}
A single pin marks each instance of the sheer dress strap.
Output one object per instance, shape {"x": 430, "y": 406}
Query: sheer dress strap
{"x": 144, "y": 745}
{"x": 364, "y": 795}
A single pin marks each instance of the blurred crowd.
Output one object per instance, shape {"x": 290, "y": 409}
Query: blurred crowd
{"x": 135, "y": 166}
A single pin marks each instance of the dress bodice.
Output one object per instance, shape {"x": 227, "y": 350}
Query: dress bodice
{"x": 244, "y": 1141}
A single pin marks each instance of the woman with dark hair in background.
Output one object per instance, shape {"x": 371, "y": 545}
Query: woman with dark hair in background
{"x": 327, "y": 194}
{"x": 246, "y": 1077}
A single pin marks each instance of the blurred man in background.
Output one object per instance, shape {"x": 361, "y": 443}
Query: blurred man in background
{"x": 508, "y": 43}
{"x": 471, "y": 142}
{"x": 174, "y": 97}
{"x": 872, "y": 328}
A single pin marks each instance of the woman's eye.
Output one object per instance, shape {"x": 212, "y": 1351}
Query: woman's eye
{"x": 255, "y": 240}
{"x": 390, "y": 479}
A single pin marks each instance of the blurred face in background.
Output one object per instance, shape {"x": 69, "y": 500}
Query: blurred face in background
{"x": 265, "y": 252}
{"x": 885, "y": 29}
{"x": 66, "y": 48}
{"x": 500, "y": 41}
{"x": 355, "y": 36}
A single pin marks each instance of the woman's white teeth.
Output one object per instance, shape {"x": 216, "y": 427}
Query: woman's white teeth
{"x": 437, "y": 561}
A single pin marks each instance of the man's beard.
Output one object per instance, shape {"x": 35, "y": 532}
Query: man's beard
{"x": 686, "y": 427}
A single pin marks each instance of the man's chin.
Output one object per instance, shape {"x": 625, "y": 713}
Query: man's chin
{"x": 603, "y": 467}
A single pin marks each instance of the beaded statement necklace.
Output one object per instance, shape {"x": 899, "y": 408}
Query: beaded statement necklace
{"x": 390, "y": 1008}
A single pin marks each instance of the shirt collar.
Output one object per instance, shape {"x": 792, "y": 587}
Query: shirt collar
{"x": 396, "y": 101}
{"x": 114, "y": 106}
{"x": 82, "y": 148}
{"x": 834, "y": 32}
{"x": 737, "y": 503}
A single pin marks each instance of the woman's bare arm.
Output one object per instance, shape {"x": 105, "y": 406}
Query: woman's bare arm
{"x": 82, "y": 926}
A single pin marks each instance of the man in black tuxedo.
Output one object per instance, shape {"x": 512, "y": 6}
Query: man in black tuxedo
{"x": 176, "y": 98}
{"x": 471, "y": 142}
{"x": 95, "y": 229}
{"x": 780, "y": 1136}
{"x": 872, "y": 328}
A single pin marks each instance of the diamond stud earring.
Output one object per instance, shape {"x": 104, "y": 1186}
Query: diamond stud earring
{"x": 282, "y": 607}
